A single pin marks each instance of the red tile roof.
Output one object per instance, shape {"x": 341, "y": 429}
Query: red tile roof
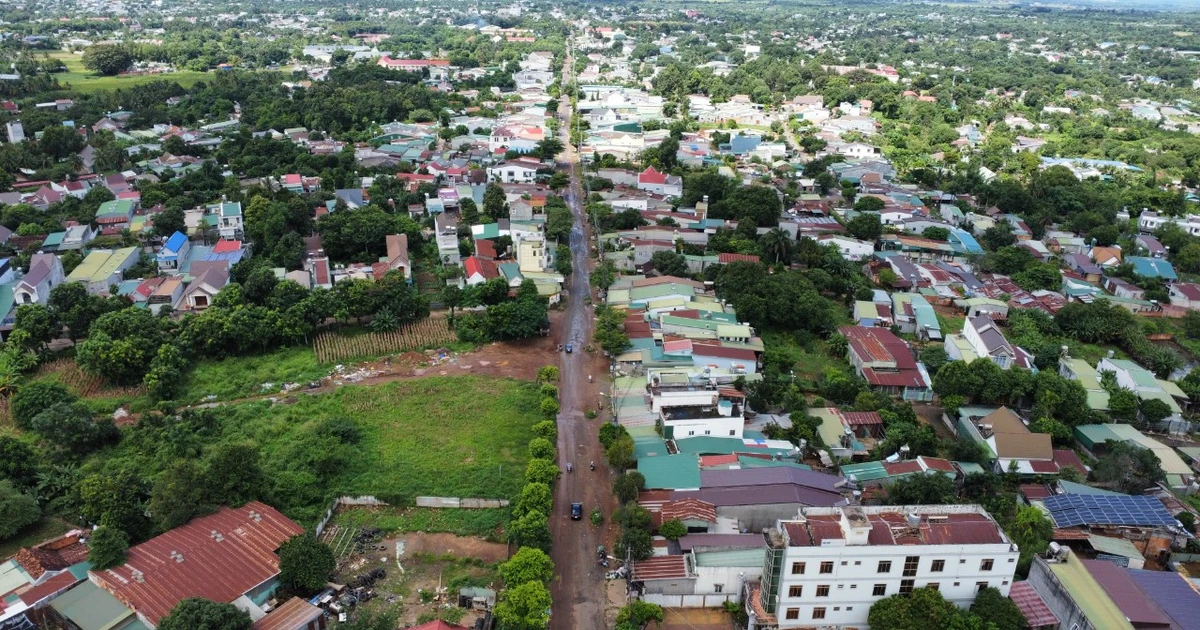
{"x": 879, "y": 345}
{"x": 862, "y": 418}
{"x": 226, "y": 247}
{"x": 294, "y": 614}
{"x": 485, "y": 248}
{"x": 1066, "y": 457}
{"x": 651, "y": 176}
{"x": 891, "y": 528}
{"x": 55, "y": 554}
{"x": 219, "y": 570}
{"x": 710, "y": 461}
{"x": 1035, "y": 491}
{"x": 476, "y": 265}
{"x": 690, "y": 509}
{"x": 660, "y": 568}
{"x": 1031, "y": 605}
{"x": 725, "y": 258}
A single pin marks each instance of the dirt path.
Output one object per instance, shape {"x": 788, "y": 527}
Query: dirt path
{"x": 579, "y": 593}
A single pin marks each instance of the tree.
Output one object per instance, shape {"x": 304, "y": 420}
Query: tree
{"x": 170, "y": 221}
{"x": 177, "y": 495}
{"x": 70, "y": 428}
{"x": 535, "y": 497}
{"x": 532, "y": 530}
{"x": 165, "y": 376}
{"x": 637, "y": 614}
{"x": 114, "y": 499}
{"x": 524, "y": 607}
{"x": 108, "y": 60}
{"x": 233, "y": 475}
{"x": 18, "y": 463}
{"x": 998, "y": 610}
{"x": 869, "y": 203}
{"x": 922, "y": 609}
{"x": 1032, "y": 532}
{"x": 932, "y": 489}
{"x": 1154, "y": 410}
{"x": 669, "y": 264}
{"x": 541, "y": 471}
{"x": 38, "y": 322}
{"x": 1129, "y": 468}
{"x": 305, "y": 563}
{"x": 196, "y": 613}
{"x": 673, "y": 529}
{"x": 620, "y": 453}
{"x": 35, "y": 397}
{"x": 527, "y": 565}
{"x": 1123, "y": 405}
{"x": 494, "y": 204}
{"x": 777, "y": 246}
{"x": 936, "y": 233}
{"x": 627, "y": 486}
{"x": 541, "y": 447}
{"x": 107, "y": 548}
{"x": 998, "y": 236}
{"x": 562, "y": 260}
{"x": 865, "y": 226}
{"x": 17, "y": 510}
{"x": 468, "y": 211}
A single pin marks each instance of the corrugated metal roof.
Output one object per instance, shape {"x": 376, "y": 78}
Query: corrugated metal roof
{"x": 294, "y": 614}
{"x": 1031, "y": 605}
{"x": 220, "y": 570}
{"x": 1124, "y": 592}
{"x": 661, "y": 568}
{"x": 1174, "y": 594}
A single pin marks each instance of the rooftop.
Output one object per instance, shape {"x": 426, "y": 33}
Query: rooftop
{"x": 886, "y": 525}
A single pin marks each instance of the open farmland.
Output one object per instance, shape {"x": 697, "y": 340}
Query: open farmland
{"x": 431, "y": 332}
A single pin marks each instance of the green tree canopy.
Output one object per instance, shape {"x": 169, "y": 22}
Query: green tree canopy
{"x": 196, "y": 613}
{"x": 305, "y": 563}
{"x": 527, "y": 565}
{"x": 17, "y": 510}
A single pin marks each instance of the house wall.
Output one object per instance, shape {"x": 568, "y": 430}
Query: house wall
{"x": 1057, "y": 599}
{"x": 855, "y": 575}
{"x": 731, "y": 580}
{"x": 745, "y": 367}
{"x": 681, "y": 586}
{"x": 716, "y": 426}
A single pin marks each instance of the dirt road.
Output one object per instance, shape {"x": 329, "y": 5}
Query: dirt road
{"x": 579, "y": 593}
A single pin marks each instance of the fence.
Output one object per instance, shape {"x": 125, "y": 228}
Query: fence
{"x": 455, "y": 502}
{"x": 333, "y": 506}
{"x": 690, "y": 601}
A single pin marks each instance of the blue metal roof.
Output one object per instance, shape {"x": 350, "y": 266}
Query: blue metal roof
{"x": 176, "y": 242}
{"x": 1152, "y": 267}
{"x": 968, "y": 242}
{"x": 1171, "y": 592}
{"x": 1070, "y": 510}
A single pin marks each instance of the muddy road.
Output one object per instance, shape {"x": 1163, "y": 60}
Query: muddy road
{"x": 579, "y": 592}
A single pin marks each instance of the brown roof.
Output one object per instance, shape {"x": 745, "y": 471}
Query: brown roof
{"x": 55, "y": 554}
{"x": 862, "y": 418}
{"x": 192, "y": 561}
{"x": 1003, "y": 420}
{"x": 1024, "y": 446}
{"x": 294, "y": 614}
{"x": 660, "y": 568}
{"x": 690, "y": 509}
{"x": 397, "y": 247}
{"x": 891, "y": 528}
{"x": 49, "y": 588}
{"x": 714, "y": 350}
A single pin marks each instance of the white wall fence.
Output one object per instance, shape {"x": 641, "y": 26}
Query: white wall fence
{"x": 456, "y": 502}
{"x": 333, "y": 506}
{"x": 690, "y": 601}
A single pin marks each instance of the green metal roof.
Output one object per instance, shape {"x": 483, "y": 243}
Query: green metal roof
{"x": 90, "y": 607}
{"x": 1114, "y": 546}
{"x": 647, "y": 447}
{"x": 1087, "y": 593}
{"x": 671, "y": 472}
{"x": 970, "y": 468}
{"x": 865, "y": 471}
{"x": 115, "y": 208}
{"x": 710, "y": 445}
{"x": 54, "y": 239}
{"x": 746, "y": 461}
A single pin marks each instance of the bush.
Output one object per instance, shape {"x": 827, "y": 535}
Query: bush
{"x": 305, "y": 563}
{"x": 673, "y": 529}
{"x": 34, "y": 398}
{"x": 107, "y": 548}
{"x": 541, "y": 448}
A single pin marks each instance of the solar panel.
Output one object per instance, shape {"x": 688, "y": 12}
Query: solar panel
{"x": 1069, "y": 510}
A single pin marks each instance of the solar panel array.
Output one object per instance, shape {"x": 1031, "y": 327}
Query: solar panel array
{"x": 1070, "y": 510}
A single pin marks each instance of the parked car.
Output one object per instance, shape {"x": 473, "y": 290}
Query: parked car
{"x": 570, "y": 348}
{"x": 576, "y": 511}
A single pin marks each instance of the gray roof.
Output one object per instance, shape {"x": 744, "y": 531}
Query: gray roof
{"x": 769, "y": 494}
{"x": 721, "y": 541}
{"x": 769, "y": 476}
{"x": 991, "y": 336}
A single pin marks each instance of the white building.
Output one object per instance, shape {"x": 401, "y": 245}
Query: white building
{"x": 1150, "y": 221}
{"x": 850, "y": 248}
{"x": 16, "y": 132}
{"x": 829, "y": 565}
{"x": 512, "y": 173}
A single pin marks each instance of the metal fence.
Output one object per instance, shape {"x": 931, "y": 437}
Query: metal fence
{"x": 333, "y": 506}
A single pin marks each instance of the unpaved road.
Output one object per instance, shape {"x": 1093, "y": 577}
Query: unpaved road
{"x": 579, "y": 592}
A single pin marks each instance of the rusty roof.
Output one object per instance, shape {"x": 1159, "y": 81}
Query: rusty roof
{"x": 294, "y": 614}
{"x": 661, "y": 568}
{"x": 862, "y": 418}
{"x": 690, "y": 509}
{"x": 220, "y": 567}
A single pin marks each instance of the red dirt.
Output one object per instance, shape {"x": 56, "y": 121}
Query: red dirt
{"x": 442, "y": 544}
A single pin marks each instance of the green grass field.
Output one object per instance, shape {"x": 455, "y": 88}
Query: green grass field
{"x": 84, "y": 80}
{"x": 446, "y": 436}
{"x": 237, "y": 377}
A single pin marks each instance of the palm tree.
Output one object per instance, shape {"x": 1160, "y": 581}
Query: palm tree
{"x": 778, "y": 246}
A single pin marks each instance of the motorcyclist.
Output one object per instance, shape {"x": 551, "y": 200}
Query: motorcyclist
{"x": 592, "y": 465}
{"x": 568, "y": 467}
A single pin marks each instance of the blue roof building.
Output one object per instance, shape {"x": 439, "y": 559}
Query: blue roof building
{"x": 964, "y": 240}
{"x": 1152, "y": 268}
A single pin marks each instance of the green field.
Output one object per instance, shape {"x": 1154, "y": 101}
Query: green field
{"x": 238, "y": 377}
{"x": 462, "y": 436}
{"x": 84, "y": 80}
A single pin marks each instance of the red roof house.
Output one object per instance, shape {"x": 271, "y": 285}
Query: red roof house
{"x": 886, "y": 362}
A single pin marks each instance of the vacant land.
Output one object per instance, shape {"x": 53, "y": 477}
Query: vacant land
{"x": 44, "y": 529}
{"x": 431, "y": 332}
{"x": 85, "y": 80}
{"x": 463, "y": 436}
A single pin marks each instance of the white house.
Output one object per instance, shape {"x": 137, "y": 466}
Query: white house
{"x": 1150, "y": 221}
{"x": 1184, "y": 294}
{"x": 652, "y": 181}
{"x": 513, "y": 172}
{"x": 981, "y": 338}
{"x": 826, "y": 567}
{"x": 230, "y": 223}
{"x": 694, "y": 413}
{"x": 850, "y": 248}
{"x": 45, "y": 273}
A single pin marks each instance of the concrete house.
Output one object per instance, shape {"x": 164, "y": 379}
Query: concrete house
{"x": 45, "y": 273}
{"x": 230, "y": 223}
{"x": 981, "y": 338}
{"x": 886, "y": 362}
{"x": 174, "y": 252}
{"x": 1185, "y": 294}
{"x": 513, "y": 172}
{"x": 652, "y": 181}
{"x": 208, "y": 278}
{"x": 103, "y": 268}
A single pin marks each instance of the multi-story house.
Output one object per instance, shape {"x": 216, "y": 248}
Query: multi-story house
{"x": 229, "y": 220}
{"x": 826, "y": 567}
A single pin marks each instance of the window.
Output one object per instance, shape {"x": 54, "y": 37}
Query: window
{"x": 938, "y": 566}
{"x": 885, "y": 566}
{"x": 797, "y": 568}
{"x": 849, "y": 608}
{"x": 795, "y": 590}
{"x": 823, "y": 590}
{"x": 910, "y": 565}
{"x": 826, "y": 567}
{"x": 853, "y": 586}
{"x": 717, "y": 588}
{"x": 843, "y": 563}
{"x": 985, "y": 565}
{"x": 792, "y": 613}
{"x": 907, "y": 586}
{"x": 731, "y": 432}
{"x": 818, "y": 613}
{"x": 956, "y": 583}
{"x": 979, "y": 586}
{"x": 708, "y": 433}
{"x": 880, "y": 590}
{"x": 934, "y": 585}
{"x": 857, "y": 562}
{"x": 691, "y": 433}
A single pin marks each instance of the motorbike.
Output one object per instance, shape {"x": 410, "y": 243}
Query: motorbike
{"x": 592, "y": 465}
{"x": 568, "y": 468}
